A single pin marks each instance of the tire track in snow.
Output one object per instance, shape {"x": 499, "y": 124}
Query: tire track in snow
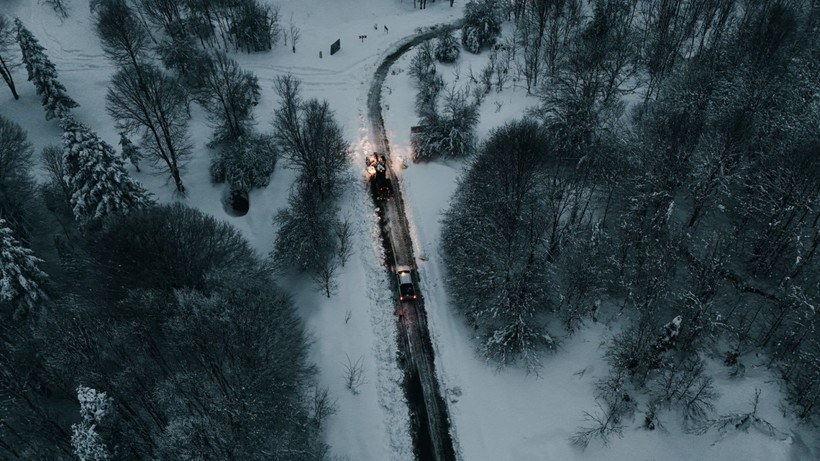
{"x": 433, "y": 433}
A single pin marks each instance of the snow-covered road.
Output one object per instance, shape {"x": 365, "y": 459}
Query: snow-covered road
{"x": 429, "y": 414}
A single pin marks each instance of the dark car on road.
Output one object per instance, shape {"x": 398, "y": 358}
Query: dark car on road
{"x": 407, "y": 292}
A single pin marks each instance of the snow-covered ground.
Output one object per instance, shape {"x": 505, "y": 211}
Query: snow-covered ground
{"x": 498, "y": 415}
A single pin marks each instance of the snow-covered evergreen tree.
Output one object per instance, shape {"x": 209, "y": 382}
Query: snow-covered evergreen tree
{"x": 85, "y": 440}
{"x": 100, "y": 185}
{"x": 447, "y": 48}
{"x": 43, "y": 74}
{"x": 20, "y": 278}
{"x": 130, "y": 151}
{"x": 471, "y": 40}
{"x": 481, "y": 25}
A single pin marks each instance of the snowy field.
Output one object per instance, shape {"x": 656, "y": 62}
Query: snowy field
{"x": 497, "y": 414}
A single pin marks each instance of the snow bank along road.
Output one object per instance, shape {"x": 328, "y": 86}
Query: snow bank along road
{"x": 429, "y": 417}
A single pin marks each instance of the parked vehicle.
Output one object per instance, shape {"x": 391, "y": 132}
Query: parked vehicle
{"x": 407, "y": 291}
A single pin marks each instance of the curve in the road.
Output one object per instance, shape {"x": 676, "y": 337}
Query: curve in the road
{"x": 429, "y": 414}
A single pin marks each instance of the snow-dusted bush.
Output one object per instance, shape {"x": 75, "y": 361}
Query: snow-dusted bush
{"x": 450, "y": 134}
{"x": 247, "y": 162}
{"x": 427, "y": 96}
{"x": 471, "y": 40}
{"x": 669, "y": 337}
{"x": 447, "y": 49}
{"x": 635, "y": 351}
{"x": 422, "y": 64}
{"x": 685, "y": 385}
{"x": 482, "y": 25}
{"x": 741, "y": 422}
{"x": 602, "y": 424}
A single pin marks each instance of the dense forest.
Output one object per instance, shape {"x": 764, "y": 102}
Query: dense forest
{"x": 134, "y": 330}
{"x": 667, "y": 175}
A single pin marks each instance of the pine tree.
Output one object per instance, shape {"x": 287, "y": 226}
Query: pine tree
{"x": 43, "y": 74}
{"x": 85, "y": 439}
{"x": 99, "y": 183}
{"x": 130, "y": 151}
{"x": 20, "y": 278}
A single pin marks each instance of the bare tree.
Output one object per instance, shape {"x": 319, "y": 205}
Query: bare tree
{"x": 124, "y": 38}
{"x": 602, "y": 424}
{"x": 325, "y": 275}
{"x": 229, "y": 94}
{"x": 16, "y": 184}
{"x": 59, "y": 6}
{"x": 344, "y": 234}
{"x": 153, "y": 104}
{"x": 354, "y": 374}
{"x": 8, "y": 61}
{"x": 294, "y": 33}
{"x": 52, "y": 158}
{"x": 323, "y": 405}
{"x": 310, "y": 137}
{"x": 741, "y": 421}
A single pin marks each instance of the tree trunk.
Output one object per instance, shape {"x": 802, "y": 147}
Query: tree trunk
{"x": 177, "y": 179}
{"x": 6, "y": 73}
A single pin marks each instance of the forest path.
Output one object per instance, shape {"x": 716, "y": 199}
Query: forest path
{"x": 430, "y": 421}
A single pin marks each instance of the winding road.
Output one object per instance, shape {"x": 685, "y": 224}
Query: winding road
{"x": 430, "y": 421}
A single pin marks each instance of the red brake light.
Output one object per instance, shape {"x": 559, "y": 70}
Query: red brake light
{"x": 414, "y": 296}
